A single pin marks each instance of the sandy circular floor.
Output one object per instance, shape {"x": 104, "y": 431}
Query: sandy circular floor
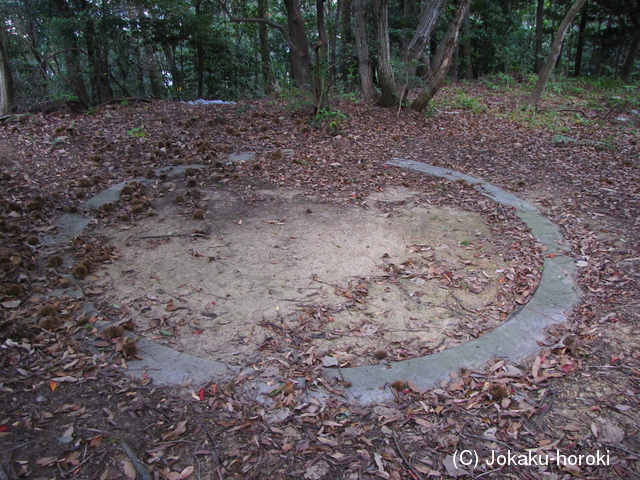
{"x": 270, "y": 272}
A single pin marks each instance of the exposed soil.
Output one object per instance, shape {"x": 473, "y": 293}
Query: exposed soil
{"x": 275, "y": 271}
{"x": 68, "y": 410}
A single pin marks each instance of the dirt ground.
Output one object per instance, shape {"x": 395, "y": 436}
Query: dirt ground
{"x": 273, "y": 264}
{"x": 68, "y": 409}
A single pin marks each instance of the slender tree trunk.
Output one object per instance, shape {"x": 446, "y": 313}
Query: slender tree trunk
{"x": 580, "y": 44}
{"x": 71, "y": 56}
{"x": 428, "y": 17}
{"x": 333, "y": 45}
{"x": 295, "y": 36}
{"x": 466, "y": 50}
{"x": 265, "y": 53}
{"x": 75, "y": 80}
{"x": 632, "y": 51}
{"x": 150, "y": 66}
{"x": 200, "y": 53}
{"x": 425, "y": 67}
{"x": 544, "y": 75}
{"x": 346, "y": 38}
{"x": 98, "y": 58}
{"x": 104, "y": 85}
{"x": 386, "y": 78}
{"x": 6, "y": 77}
{"x": 362, "y": 45}
{"x": 539, "y": 35}
{"x": 299, "y": 54}
{"x": 454, "y": 69}
{"x": 443, "y": 58}
{"x": 320, "y": 70}
{"x": 568, "y": 52}
{"x": 176, "y": 76}
{"x": 31, "y": 32}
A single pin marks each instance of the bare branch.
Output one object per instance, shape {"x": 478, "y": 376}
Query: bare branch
{"x": 264, "y": 21}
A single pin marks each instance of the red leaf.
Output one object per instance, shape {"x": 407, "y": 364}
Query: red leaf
{"x": 201, "y": 394}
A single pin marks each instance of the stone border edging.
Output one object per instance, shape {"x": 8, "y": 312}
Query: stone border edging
{"x": 514, "y": 340}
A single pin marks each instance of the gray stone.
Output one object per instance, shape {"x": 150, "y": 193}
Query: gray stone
{"x": 240, "y": 157}
{"x": 68, "y": 226}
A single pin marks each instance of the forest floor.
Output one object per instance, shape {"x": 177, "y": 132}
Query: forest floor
{"x": 69, "y": 410}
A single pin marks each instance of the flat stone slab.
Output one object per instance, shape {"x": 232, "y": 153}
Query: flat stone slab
{"x": 68, "y": 226}
{"x": 514, "y": 340}
{"x": 170, "y": 367}
{"x": 240, "y": 157}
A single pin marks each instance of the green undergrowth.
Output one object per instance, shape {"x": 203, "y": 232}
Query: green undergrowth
{"x": 565, "y": 104}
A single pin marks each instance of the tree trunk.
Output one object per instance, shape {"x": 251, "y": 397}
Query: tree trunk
{"x": 71, "y": 56}
{"x": 152, "y": 72}
{"x": 443, "y": 58}
{"x": 466, "y": 48}
{"x": 333, "y": 45}
{"x": 299, "y": 47}
{"x": 364, "y": 61}
{"x": 386, "y": 78}
{"x": 199, "y": 63}
{"x": 176, "y": 76}
{"x": 150, "y": 66}
{"x": 346, "y": 37}
{"x": 320, "y": 70}
{"x": 33, "y": 46}
{"x": 428, "y": 17}
{"x": 295, "y": 36}
{"x": 632, "y": 51}
{"x": 580, "y": 44}
{"x": 98, "y": 61}
{"x": 265, "y": 54}
{"x": 544, "y": 75}
{"x": 539, "y": 34}
{"x": 6, "y": 77}
{"x": 454, "y": 69}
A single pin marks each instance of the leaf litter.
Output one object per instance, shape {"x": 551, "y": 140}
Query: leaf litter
{"x": 579, "y": 395}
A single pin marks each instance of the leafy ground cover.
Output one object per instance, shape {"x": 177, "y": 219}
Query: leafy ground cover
{"x": 68, "y": 410}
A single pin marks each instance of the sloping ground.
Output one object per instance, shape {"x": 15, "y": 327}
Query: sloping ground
{"x": 67, "y": 410}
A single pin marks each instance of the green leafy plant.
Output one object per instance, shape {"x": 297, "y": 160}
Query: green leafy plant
{"x": 551, "y": 121}
{"x": 328, "y": 119}
{"x": 464, "y": 101}
{"x": 429, "y": 112}
{"x": 504, "y": 79}
{"x": 351, "y": 96}
{"x": 63, "y": 98}
{"x": 137, "y": 132}
{"x": 243, "y": 109}
{"x": 296, "y": 101}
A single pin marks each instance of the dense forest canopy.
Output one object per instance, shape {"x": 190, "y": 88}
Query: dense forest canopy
{"x": 87, "y": 52}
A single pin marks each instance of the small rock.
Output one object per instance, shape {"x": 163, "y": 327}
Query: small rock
{"x": 329, "y": 361}
{"x": 279, "y": 415}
